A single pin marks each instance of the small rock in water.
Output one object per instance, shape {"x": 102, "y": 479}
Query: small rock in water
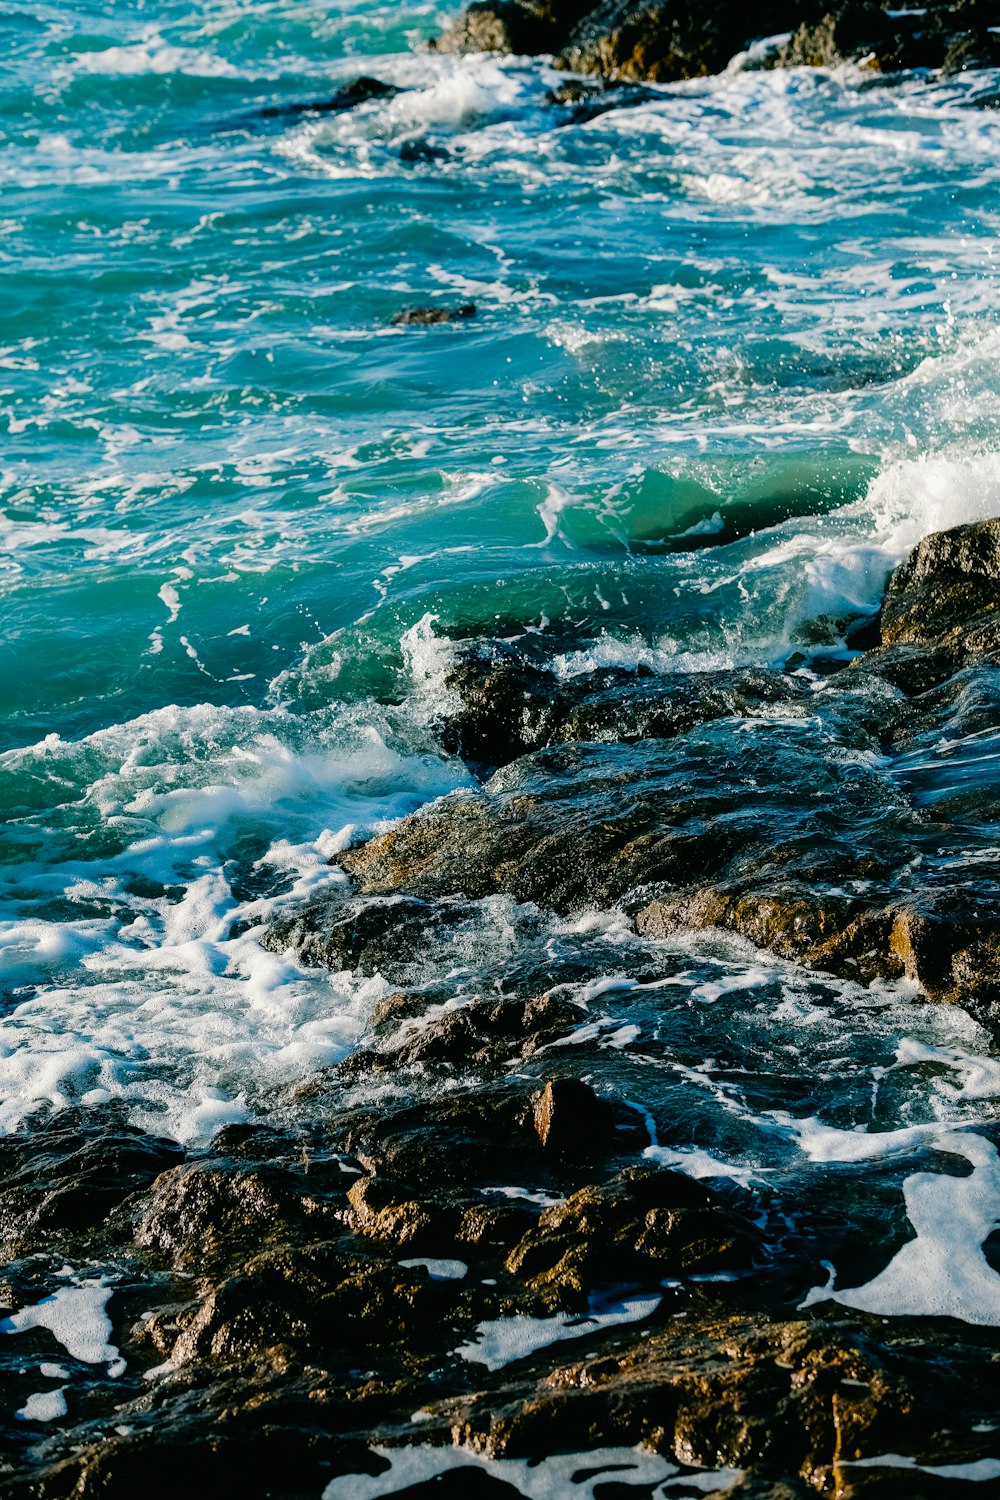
{"x": 359, "y": 91}
{"x": 421, "y": 153}
{"x": 569, "y": 1117}
{"x": 423, "y": 317}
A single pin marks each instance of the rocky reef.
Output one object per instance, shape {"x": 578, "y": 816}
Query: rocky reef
{"x": 471, "y": 1232}
{"x": 624, "y": 788}
{"x": 666, "y": 40}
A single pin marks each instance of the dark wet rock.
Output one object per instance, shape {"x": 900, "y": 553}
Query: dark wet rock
{"x": 421, "y": 153}
{"x": 978, "y": 48}
{"x": 660, "y": 40}
{"x": 505, "y": 698}
{"x": 461, "y": 1139}
{"x": 242, "y": 1440}
{"x": 585, "y": 825}
{"x": 424, "y": 317}
{"x": 518, "y": 26}
{"x": 641, "y": 1226}
{"x": 381, "y": 935}
{"x": 666, "y": 40}
{"x": 940, "y": 614}
{"x": 790, "y": 1400}
{"x": 358, "y": 91}
{"x": 511, "y": 702}
{"x": 914, "y": 670}
{"x": 499, "y": 26}
{"x": 316, "y": 1302}
{"x": 646, "y": 797}
{"x": 885, "y": 38}
{"x": 204, "y": 1214}
{"x": 401, "y": 1005}
{"x": 947, "y": 594}
{"x": 268, "y": 1272}
{"x": 69, "y": 1174}
{"x": 950, "y": 948}
{"x": 447, "y": 1139}
{"x": 449, "y": 1148}
{"x": 584, "y": 101}
{"x": 481, "y": 1034}
{"x": 381, "y": 1210}
{"x": 849, "y": 32}
{"x": 570, "y": 1119}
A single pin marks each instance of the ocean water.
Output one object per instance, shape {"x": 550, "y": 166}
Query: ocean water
{"x": 735, "y": 352}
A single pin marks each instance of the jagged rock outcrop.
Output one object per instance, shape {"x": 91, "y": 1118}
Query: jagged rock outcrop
{"x": 805, "y": 842}
{"x": 666, "y": 40}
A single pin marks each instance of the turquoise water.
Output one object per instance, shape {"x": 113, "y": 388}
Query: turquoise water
{"x": 735, "y": 351}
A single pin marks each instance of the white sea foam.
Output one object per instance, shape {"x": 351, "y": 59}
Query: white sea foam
{"x": 171, "y": 1005}
{"x": 977, "y": 1471}
{"x": 943, "y": 1271}
{"x": 151, "y": 54}
{"x": 44, "y": 1406}
{"x": 501, "y": 1341}
{"x": 76, "y": 1317}
{"x": 553, "y": 1477}
{"x": 438, "y": 1269}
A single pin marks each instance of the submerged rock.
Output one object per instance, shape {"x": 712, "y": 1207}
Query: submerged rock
{"x": 358, "y": 91}
{"x": 425, "y": 317}
{"x": 420, "y": 152}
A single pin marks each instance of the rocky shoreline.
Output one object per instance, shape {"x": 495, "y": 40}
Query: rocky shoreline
{"x": 301, "y": 1298}
{"x": 663, "y": 41}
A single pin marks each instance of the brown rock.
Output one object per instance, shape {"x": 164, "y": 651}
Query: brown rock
{"x": 570, "y": 1119}
{"x": 641, "y": 1226}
